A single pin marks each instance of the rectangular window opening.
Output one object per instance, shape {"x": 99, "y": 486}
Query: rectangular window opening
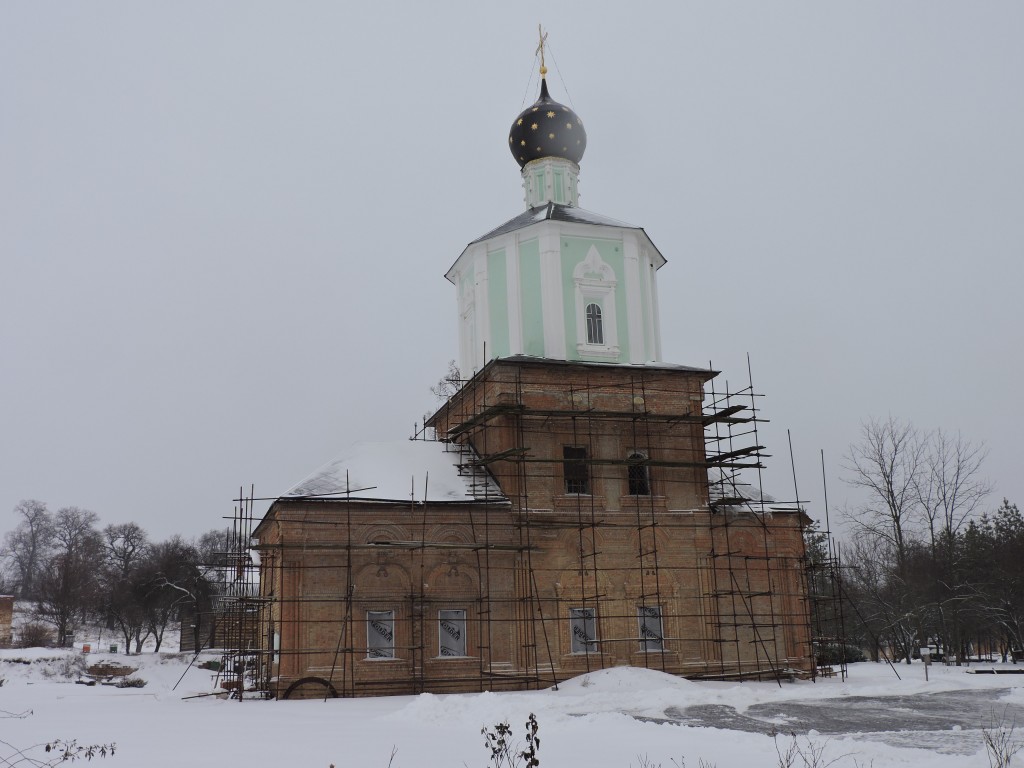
{"x": 574, "y": 466}
{"x": 583, "y": 630}
{"x": 451, "y": 633}
{"x": 639, "y": 479}
{"x": 652, "y": 636}
{"x": 380, "y": 634}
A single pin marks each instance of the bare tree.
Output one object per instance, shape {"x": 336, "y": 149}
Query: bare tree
{"x": 212, "y": 547}
{"x": 950, "y": 488}
{"x": 125, "y": 544}
{"x": 26, "y": 547}
{"x": 175, "y": 581}
{"x": 922, "y": 491}
{"x": 448, "y": 384}
{"x": 887, "y": 463}
{"x": 125, "y": 606}
{"x": 891, "y": 616}
{"x": 126, "y": 549}
{"x": 68, "y": 588}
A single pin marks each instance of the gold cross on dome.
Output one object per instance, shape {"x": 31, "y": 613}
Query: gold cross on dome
{"x": 540, "y": 49}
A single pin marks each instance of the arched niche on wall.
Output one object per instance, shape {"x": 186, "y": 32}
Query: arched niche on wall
{"x": 380, "y": 533}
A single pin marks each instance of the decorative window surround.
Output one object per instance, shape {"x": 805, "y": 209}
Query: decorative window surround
{"x": 595, "y": 284}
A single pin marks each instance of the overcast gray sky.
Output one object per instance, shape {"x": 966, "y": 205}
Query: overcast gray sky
{"x": 224, "y": 226}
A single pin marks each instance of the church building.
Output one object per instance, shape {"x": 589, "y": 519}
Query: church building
{"x": 575, "y": 505}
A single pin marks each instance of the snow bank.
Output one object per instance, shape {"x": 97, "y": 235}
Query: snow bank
{"x": 591, "y": 720}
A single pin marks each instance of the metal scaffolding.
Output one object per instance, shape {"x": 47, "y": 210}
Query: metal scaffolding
{"x": 710, "y": 591}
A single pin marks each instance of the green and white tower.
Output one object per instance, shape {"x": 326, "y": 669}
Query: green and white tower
{"x": 557, "y": 281}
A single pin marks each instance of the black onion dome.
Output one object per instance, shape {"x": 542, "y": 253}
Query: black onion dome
{"x": 547, "y": 129}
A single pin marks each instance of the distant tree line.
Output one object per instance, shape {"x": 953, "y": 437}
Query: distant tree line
{"x": 929, "y": 565}
{"x": 73, "y": 573}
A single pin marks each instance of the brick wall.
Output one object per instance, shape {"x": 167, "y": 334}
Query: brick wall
{"x": 722, "y": 589}
{"x": 6, "y": 617}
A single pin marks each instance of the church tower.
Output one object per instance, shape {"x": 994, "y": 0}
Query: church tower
{"x": 630, "y": 555}
{"x": 557, "y": 281}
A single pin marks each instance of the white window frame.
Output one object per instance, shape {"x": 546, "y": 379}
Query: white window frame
{"x": 380, "y": 634}
{"x": 451, "y": 633}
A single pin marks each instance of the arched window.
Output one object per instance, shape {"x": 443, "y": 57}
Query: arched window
{"x": 595, "y": 328}
{"x": 639, "y": 480}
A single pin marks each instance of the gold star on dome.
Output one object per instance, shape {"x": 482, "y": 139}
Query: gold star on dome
{"x": 551, "y": 114}
{"x": 533, "y": 127}
{"x": 522, "y": 143}
{"x": 509, "y": 139}
{"x": 519, "y": 121}
{"x": 551, "y": 135}
{"x": 539, "y": 149}
{"x": 569, "y": 126}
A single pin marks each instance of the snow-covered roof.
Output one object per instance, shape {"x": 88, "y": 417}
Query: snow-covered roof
{"x": 727, "y": 490}
{"x": 722, "y": 484}
{"x": 401, "y": 470}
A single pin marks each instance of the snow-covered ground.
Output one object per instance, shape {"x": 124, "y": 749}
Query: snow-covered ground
{"x": 593, "y": 720}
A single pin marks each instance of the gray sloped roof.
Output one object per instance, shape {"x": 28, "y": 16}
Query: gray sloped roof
{"x": 547, "y": 361}
{"x": 553, "y": 212}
